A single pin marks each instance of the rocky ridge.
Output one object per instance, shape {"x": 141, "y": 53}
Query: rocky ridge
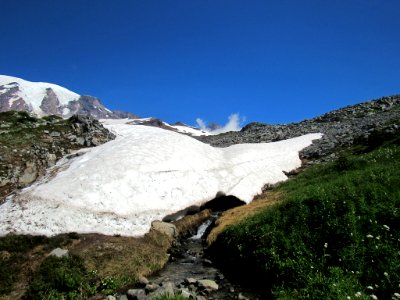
{"x": 341, "y": 128}
{"x": 30, "y": 145}
{"x": 49, "y": 99}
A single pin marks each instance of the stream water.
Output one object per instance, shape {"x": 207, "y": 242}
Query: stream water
{"x": 187, "y": 261}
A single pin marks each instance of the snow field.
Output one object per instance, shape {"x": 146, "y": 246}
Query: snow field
{"x": 145, "y": 174}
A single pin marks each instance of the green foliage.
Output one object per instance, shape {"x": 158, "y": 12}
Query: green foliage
{"x": 61, "y": 278}
{"x": 336, "y": 234}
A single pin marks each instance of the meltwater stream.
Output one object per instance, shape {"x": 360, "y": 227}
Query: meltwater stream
{"x": 187, "y": 262}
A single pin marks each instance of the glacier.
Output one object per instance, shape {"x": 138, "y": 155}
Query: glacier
{"x": 143, "y": 175}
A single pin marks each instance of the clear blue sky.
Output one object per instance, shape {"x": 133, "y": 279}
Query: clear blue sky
{"x": 271, "y": 61}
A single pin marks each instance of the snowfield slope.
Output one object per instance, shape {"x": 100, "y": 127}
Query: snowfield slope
{"x": 144, "y": 174}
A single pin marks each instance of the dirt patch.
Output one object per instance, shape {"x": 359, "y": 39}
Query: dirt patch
{"x": 237, "y": 214}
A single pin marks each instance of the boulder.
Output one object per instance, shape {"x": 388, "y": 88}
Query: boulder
{"x": 58, "y": 252}
{"x": 208, "y": 284}
{"x": 165, "y": 228}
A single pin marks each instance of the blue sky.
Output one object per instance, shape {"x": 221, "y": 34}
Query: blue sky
{"x": 270, "y": 61}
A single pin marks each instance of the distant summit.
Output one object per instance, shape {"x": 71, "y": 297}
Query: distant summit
{"x": 44, "y": 99}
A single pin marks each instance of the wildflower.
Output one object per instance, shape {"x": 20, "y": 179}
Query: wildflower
{"x": 358, "y": 294}
{"x": 386, "y": 227}
{"x": 397, "y": 295}
{"x": 326, "y": 245}
{"x": 386, "y": 274}
{"x": 370, "y": 287}
{"x": 374, "y": 297}
{"x": 370, "y": 236}
{"x": 348, "y": 297}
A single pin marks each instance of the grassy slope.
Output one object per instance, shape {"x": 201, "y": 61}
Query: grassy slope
{"x": 334, "y": 235}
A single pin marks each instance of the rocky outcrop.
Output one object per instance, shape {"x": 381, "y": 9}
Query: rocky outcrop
{"x": 341, "y": 128}
{"x": 50, "y": 104}
{"x": 28, "y": 146}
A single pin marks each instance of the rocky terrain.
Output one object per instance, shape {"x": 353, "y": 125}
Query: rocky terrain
{"x": 29, "y": 145}
{"x": 340, "y": 128}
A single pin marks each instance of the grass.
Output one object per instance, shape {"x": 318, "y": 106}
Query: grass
{"x": 335, "y": 233}
{"x": 97, "y": 265}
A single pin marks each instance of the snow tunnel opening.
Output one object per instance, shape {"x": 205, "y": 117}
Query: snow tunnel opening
{"x": 222, "y": 202}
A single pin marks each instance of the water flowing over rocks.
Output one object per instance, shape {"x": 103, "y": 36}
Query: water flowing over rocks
{"x": 340, "y": 128}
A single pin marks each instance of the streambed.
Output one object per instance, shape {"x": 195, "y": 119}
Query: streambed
{"x": 187, "y": 262}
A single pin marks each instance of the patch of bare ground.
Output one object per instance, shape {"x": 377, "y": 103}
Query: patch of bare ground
{"x": 237, "y": 214}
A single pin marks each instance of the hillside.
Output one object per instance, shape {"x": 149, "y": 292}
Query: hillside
{"x": 341, "y": 128}
{"x": 332, "y": 232}
{"x": 30, "y": 145}
{"x": 144, "y": 173}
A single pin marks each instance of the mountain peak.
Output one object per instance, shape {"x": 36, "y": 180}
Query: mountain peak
{"x": 43, "y": 98}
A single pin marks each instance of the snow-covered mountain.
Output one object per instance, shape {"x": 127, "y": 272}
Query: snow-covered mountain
{"x": 178, "y": 127}
{"x": 43, "y": 99}
{"x": 144, "y": 174}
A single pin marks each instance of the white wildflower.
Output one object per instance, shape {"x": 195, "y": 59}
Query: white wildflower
{"x": 374, "y": 297}
{"x": 397, "y": 295}
{"x": 386, "y": 227}
{"x": 370, "y": 287}
{"x": 358, "y": 294}
{"x": 386, "y": 274}
{"x": 326, "y": 245}
{"x": 378, "y": 237}
{"x": 348, "y": 297}
{"x": 370, "y": 236}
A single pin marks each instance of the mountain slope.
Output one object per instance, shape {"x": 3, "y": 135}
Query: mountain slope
{"x": 145, "y": 174}
{"x": 43, "y": 99}
{"x": 341, "y": 128}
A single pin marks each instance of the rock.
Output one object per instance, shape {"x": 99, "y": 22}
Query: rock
{"x": 55, "y": 134}
{"x": 51, "y": 159}
{"x": 208, "y": 284}
{"x": 199, "y": 297}
{"x": 151, "y": 287}
{"x": 167, "y": 228}
{"x": 186, "y": 294}
{"x": 143, "y": 280}
{"x": 123, "y": 297}
{"x": 58, "y": 252}
{"x": 190, "y": 280}
{"x": 80, "y": 141}
{"x": 136, "y": 294}
{"x": 30, "y": 174}
{"x": 109, "y": 297}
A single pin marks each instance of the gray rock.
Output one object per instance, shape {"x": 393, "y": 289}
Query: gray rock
{"x": 190, "y": 280}
{"x": 136, "y": 294}
{"x": 109, "y": 297}
{"x": 167, "y": 228}
{"x": 55, "y": 134}
{"x": 186, "y": 294}
{"x": 151, "y": 287}
{"x": 58, "y": 252}
{"x": 123, "y": 297}
{"x": 208, "y": 284}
